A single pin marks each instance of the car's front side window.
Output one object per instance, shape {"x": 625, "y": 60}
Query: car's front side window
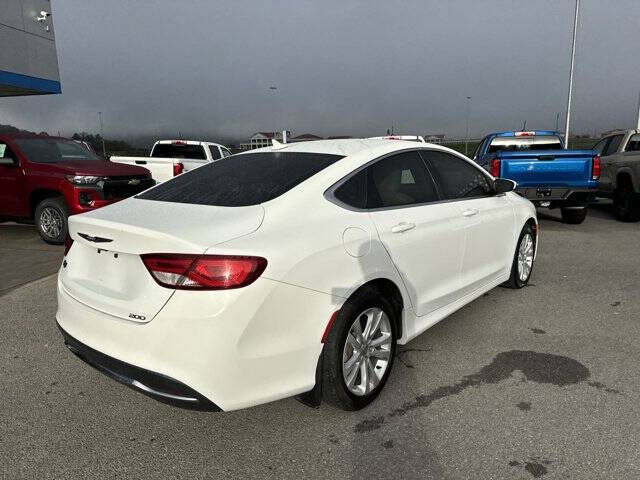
{"x": 456, "y": 177}
{"x": 633, "y": 145}
{"x": 399, "y": 180}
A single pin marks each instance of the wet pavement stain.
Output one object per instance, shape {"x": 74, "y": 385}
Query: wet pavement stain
{"x": 536, "y": 466}
{"x": 538, "y": 331}
{"x": 369, "y": 425}
{"x": 536, "y": 469}
{"x": 524, "y": 406}
{"x": 602, "y": 386}
{"x": 401, "y": 355}
{"x": 537, "y": 367}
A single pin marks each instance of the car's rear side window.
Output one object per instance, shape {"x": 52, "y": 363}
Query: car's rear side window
{"x": 353, "y": 192}
{"x": 241, "y": 180}
{"x": 398, "y": 180}
{"x": 613, "y": 145}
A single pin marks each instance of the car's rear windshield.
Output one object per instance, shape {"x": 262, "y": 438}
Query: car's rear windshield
{"x": 516, "y": 144}
{"x": 179, "y": 150}
{"x": 53, "y": 150}
{"x": 241, "y": 180}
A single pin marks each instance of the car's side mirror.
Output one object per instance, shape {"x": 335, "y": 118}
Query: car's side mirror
{"x": 502, "y": 185}
{"x": 7, "y": 161}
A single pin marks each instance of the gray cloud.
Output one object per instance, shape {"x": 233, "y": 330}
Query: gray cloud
{"x": 341, "y": 67}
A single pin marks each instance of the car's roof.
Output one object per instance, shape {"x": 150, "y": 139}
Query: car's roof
{"x": 343, "y": 147}
{"x": 187, "y": 142}
{"x": 12, "y": 135}
{"x": 521, "y": 133}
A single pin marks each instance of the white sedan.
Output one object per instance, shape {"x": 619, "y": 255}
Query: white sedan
{"x": 290, "y": 270}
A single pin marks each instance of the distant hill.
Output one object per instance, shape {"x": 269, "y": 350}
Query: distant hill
{"x": 11, "y": 129}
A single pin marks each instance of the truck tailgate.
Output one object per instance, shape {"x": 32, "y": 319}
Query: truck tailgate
{"x": 551, "y": 168}
{"x": 161, "y": 168}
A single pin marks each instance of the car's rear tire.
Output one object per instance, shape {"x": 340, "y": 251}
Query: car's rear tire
{"x": 626, "y": 203}
{"x": 356, "y": 367}
{"x": 523, "y": 259}
{"x": 51, "y": 219}
{"x": 573, "y": 215}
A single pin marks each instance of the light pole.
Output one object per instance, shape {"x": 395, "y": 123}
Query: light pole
{"x": 638, "y": 120}
{"x": 104, "y": 151}
{"x": 466, "y": 135}
{"x": 274, "y": 89}
{"x": 573, "y": 58}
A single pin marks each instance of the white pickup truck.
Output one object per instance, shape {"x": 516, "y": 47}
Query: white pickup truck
{"x": 169, "y": 158}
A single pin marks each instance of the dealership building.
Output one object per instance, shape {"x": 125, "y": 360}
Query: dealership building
{"x": 28, "y": 58}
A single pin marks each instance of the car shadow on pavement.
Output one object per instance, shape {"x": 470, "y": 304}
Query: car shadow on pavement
{"x": 24, "y": 257}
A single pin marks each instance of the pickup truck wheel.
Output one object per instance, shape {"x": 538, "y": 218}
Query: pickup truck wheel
{"x": 574, "y": 215}
{"x": 626, "y": 203}
{"x": 522, "y": 264}
{"x": 51, "y": 219}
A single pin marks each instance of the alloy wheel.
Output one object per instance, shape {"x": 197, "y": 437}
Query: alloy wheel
{"x": 367, "y": 351}
{"x": 525, "y": 257}
{"x": 51, "y": 222}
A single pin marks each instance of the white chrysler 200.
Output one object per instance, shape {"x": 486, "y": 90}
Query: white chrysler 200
{"x": 290, "y": 270}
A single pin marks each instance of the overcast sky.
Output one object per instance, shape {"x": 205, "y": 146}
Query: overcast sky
{"x": 340, "y": 67}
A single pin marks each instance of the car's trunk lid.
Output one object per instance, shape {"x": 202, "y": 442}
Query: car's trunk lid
{"x": 104, "y": 269}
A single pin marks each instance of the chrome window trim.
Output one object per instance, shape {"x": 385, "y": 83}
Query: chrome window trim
{"x": 329, "y": 193}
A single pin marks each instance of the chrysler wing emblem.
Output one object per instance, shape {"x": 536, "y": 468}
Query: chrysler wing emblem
{"x": 91, "y": 238}
{"x": 134, "y": 181}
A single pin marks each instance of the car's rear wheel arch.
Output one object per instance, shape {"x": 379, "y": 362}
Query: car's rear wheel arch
{"x": 624, "y": 178}
{"x": 532, "y": 223}
{"x": 38, "y": 196}
{"x": 390, "y": 291}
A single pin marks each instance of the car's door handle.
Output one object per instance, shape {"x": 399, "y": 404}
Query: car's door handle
{"x": 402, "y": 227}
{"x": 470, "y": 212}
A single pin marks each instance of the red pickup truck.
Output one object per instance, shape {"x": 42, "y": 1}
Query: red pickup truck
{"x": 46, "y": 179}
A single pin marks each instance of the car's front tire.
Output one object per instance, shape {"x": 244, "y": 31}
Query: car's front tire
{"x": 51, "y": 219}
{"x": 573, "y": 215}
{"x": 522, "y": 264}
{"x": 359, "y": 350}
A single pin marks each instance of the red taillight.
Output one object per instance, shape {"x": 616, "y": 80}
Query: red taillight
{"x": 203, "y": 272}
{"x": 67, "y": 244}
{"x": 595, "y": 168}
{"x": 177, "y": 169}
{"x": 495, "y": 167}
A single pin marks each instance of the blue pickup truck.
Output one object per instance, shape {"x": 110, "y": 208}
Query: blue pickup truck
{"x": 545, "y": 173}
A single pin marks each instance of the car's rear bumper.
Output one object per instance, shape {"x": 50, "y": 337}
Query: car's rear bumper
{"x": 235, "y": 348}
{"x": 557, "y": 194}
{"x": 155, "y": 385}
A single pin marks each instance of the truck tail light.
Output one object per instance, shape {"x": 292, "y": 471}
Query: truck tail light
{"x": 495, "y": 167}
{"x": 203, "y": 272}
{"x": 177, "y": 169}
{"x": 595, "y": 168}
{"x": 68, "y": 242}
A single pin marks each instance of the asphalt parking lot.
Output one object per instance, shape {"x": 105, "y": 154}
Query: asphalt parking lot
{"x": 540, "y": 382}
